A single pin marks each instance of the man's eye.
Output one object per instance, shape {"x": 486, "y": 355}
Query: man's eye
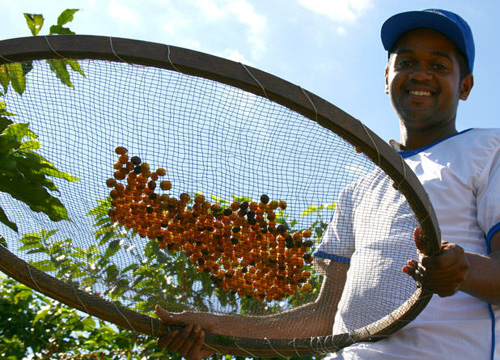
{"x": 440, "y": 67}
{"x": 404, "y": 63}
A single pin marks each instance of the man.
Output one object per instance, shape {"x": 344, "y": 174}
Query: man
{"x": 431, "y": 58}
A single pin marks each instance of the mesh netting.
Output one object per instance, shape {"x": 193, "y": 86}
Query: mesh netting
{"x": 247, "y": 192}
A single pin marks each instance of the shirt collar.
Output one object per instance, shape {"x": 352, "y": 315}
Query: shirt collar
{"x": 405, "y": 154}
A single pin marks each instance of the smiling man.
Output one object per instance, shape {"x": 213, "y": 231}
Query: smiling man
{"x": 431, "y": 59}
{"x": 426, "y": 68}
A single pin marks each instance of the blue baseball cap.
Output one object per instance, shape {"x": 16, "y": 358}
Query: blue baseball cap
{"x": 446, "y": 22}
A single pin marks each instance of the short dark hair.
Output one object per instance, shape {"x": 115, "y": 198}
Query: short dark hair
{"x": 462, "y": 63}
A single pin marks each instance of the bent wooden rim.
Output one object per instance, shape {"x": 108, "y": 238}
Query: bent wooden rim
{"x": 93, "y": 305}
{"x": 257, "y": 82}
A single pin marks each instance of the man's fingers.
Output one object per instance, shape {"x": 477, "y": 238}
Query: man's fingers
{"x": 187, "y": 342}
{"x": 416, "y": 271}
{"x": 195, "y": 352}
{"x": 418, "y": 236}
{"x": 165, "y": 340}
{"x": 451, "y": 254}
{"x": 183, "y": 341}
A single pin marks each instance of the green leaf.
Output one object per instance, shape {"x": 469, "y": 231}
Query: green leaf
{"x": 4, "y": 123}
{"x": 40, "y": 315}
{"x": 6, "y": 221}
{"x": 101, "y": 210}
{"x": 28, "y": 237}
{"x": 35, "y": 22}
{"x": 35, "y": 196}
{"x": 23, "y": 173}
{"x": 53, "y": 172}
{"x": 4, "y": 112}
{"x": 219, "y": 200}
{"x": 316, "y": 209}
{"x": 30, "y": 145}
{"x": 241, "y": 198}
{"x": 36, "y": 167}
{"x": 4, "y": 77}
{"x": 88, "y": 323}
{"x": 8, "y": 144}
{"x": 32, "y": 163}
{"x": 16, "y": 76}
{"x": 30, "y": 246}
{"x": 112, "y": 249}
{"x": 17, "y": 131}
{"x": 37, "y": 251}
{"x": 27, "y": 66}
{"x": 66, "y": 16}
{"x": 45, "y": 265}
{"x": 132, "y": 267}
{"x": 111, "y": 272}
{"x": 60, "y": 30}
{"x": 106, "y": 238}
{"x": 75, "y": 66}
{"x": 58, "y": 66}
{"x": 310, "y": 210}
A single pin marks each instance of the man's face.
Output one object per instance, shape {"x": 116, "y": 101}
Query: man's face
{"x": 423, "y": 80}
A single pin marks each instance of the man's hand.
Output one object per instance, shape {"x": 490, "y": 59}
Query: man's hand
{"x": 444, "y": 273}
{"x": 187, "y": 342}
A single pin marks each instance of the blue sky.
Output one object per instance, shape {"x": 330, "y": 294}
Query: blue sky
{"x": 329, "y": 47}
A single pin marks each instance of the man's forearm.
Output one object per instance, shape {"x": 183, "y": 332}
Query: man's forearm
{"x": 313, "y": 319}
{"x": 483, "y": 280}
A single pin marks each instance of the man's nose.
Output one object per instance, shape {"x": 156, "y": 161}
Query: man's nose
{"x": 420, "y": 73}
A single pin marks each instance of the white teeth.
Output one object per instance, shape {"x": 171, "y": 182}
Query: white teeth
{"x": 420, "y": 93}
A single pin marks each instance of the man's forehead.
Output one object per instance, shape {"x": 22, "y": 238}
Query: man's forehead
{"x": 424, "y": 39}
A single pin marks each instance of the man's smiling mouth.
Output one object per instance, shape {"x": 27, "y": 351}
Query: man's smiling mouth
{"x": 420, "y": 93}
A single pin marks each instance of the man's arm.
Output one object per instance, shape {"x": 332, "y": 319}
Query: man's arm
{"x": 455, "y": 269}
{"x": 310, "y": 320}
{"x": 483, "y": 280}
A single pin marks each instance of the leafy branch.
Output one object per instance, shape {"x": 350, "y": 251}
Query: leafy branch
{"x": 24, "y": 174}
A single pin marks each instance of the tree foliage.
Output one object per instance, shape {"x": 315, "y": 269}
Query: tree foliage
{"x": 37, "y": 326}
{"x": 25, "y": 174}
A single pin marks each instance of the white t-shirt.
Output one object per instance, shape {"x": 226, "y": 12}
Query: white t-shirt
{"x": 461, "y": 174}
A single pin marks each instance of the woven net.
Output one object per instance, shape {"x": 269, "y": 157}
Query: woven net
{"x": 238, "y": 195}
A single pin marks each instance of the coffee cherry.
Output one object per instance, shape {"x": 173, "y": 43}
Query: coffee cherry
{"x": 136, "y": 160}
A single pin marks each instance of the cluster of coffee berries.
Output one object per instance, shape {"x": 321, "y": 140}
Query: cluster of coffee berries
{"x": 242, "y": 245}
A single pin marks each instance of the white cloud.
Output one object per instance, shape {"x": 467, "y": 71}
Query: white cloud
{"x": 209, "y": 8}
{"x": 234, "y": 55}
{"x": 208, "y": 17}
{"x": 175, "y": 27}
{"x": 341, "y": 30}
{"x": 123, "y": 13}
{"x": 338, "y": 10}
{"x": 245, "y": 13}
{"x": 192, "y": 44}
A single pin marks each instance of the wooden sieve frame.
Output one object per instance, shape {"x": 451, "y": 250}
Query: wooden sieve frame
{"x": 259, "y": 83}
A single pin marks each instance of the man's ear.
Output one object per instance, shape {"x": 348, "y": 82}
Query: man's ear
{"x": 466, "y": 86}
{"x": 387, "y": 79}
